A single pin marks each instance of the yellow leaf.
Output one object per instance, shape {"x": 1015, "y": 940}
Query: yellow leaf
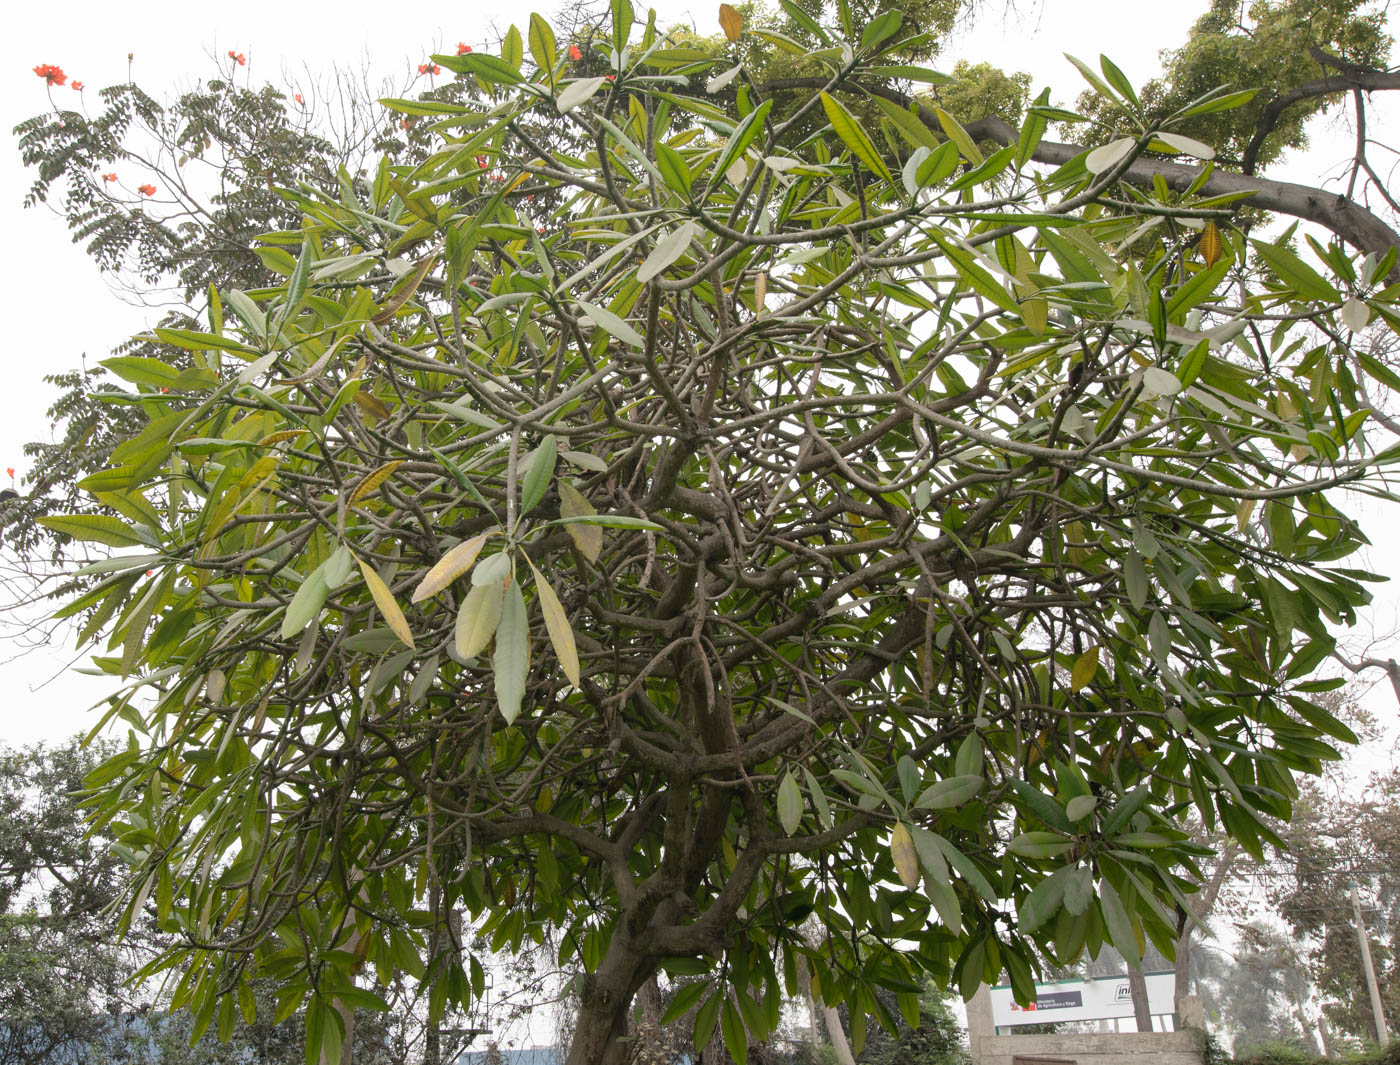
{"x": 451, "y": 566}
{"x": 1085, "y": 667}
{"x": 1036, "y": 314}
{"x": 1211, "y": 245}
{"x": 278, "y": 437}
{"x": 556, "y": 623}
{"x": 588, "y": 538}
{"x": 906, "y": 857}
{"x": 384, "y": 600}
{"x": 373, "y": 480}
{"x": 376, "y": 408}
{"x": 730, "y": 21}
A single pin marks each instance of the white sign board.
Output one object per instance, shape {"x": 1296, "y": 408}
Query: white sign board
{"x": 1097, "y": 999}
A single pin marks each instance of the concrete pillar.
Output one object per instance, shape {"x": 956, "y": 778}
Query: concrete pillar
{"x": 979, "y": 1022}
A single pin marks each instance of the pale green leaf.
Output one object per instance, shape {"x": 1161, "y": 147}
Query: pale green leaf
{"x": 511, "y": 661}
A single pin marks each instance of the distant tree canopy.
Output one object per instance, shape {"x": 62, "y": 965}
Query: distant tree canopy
{"x": 662, "y": 503}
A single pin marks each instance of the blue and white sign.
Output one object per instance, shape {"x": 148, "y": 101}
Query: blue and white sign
{"x": 1098, "y": 999}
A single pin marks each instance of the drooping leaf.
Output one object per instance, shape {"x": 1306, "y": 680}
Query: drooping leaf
{"x": 789, "y": 803}
{"x": 588, "y": 538}
{"x": 478, "y": 617}
{"x": 388, "y": 606}
{"x": 556, "y": 624}
{"x": 305, "y": 604}
{"x": 906, "y": 858}
{"x": 540, "y": 473}
{"x": 511, "y": 660}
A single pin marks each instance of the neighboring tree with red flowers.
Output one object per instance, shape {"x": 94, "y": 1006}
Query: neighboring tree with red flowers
{"x": 51, "y": 74}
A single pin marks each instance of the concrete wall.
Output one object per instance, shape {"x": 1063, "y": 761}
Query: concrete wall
{"x": 1098, "y": 1048}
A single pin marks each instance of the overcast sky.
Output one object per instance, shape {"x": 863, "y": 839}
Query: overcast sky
{"x": 60, "y": 307}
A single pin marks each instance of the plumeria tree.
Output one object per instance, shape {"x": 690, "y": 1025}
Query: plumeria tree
{"x": 681, "y": 505}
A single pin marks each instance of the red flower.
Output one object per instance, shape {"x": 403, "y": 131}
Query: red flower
{"x": 481, "y": 161}
{"x": 436, "y": 69}
{"x": 429, "y": 68}
{"x": 238, "y": 57}
{"x": 51, "y": 74}
{"x": 11, "y": 471}
{"x": 405, "y": 123}
{"x": 77, "y": 86}
{"x": 298, "y": 98}
{"x": 146, "y": 190}
{"x": 574, "y": 53}
{"x": 463, "y": 49}
{"x": 109, "y": 177}
{"x": 610, "y": 77}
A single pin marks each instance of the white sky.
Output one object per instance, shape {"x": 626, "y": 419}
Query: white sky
{"x": 61, "y": 307}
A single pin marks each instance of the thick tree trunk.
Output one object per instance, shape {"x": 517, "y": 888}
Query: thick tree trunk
{"x": 602, "y": 1032}
{"x": 1182, "y": 971}
{"x": 1137, "y": 984}
{"x": 838, "y": 1036}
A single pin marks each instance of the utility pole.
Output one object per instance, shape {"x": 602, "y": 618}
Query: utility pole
{"x": 1382, "y": 1036}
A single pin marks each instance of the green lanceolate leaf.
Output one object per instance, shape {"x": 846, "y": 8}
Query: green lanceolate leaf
{"x": 667, "y": 250}
{"x": 605, "y": 320}
{"x": 745, "y": 133}
{"x": 540, "y": 473}
{"x": 307, "y": 602}
{"x": 789, "y": 804}
{"x": 542, "y": 47}
{"x": 96, "y": 528}
{"x": 1295, "y": 273}
{"x": 855, "y": 138}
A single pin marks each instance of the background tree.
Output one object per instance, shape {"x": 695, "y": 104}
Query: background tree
{"x": 61, "y": 972}
{"x": 1330, "y": 843}
{"x": 880, "y": 505}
